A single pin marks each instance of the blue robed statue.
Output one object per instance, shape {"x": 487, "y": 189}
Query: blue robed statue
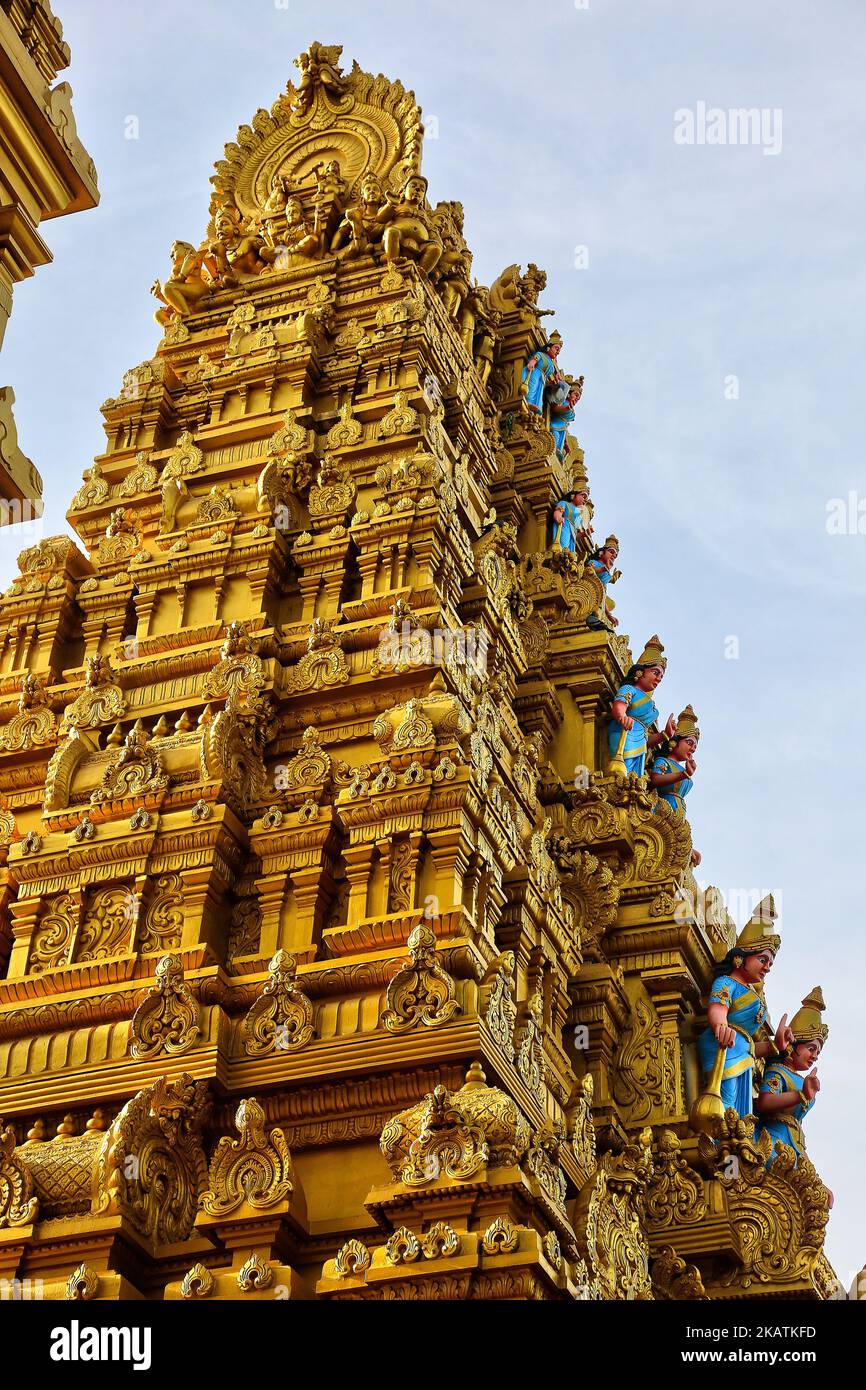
{"x": 540, "y": 371}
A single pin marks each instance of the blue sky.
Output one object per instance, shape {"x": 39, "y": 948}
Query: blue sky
{"x": 705, "y": 263}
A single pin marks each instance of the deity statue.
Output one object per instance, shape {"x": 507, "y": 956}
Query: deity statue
{"x": 364, "y": 222}
{"x": 540, "y": 372}
{"x": 602, "y": 562}
{"x": 673, "y": 768}
{"x": 409, "y": 230}
{"x": 563, "y": 399}
{"x": 237, "y": 249}
{"x": 186, "y": 286}
{"x": 570, "y": 518}
{"x": 455, "y": 263}
{"x": 736, "y": 1011}
{"x": 319, "y": 67}
{"x": 278, "y": 197}
{"x": 633, "y": 710}
{"x": 672, "y": 772}
{"x": 330, "y": 183}
{"x": 297, "y": 239}
{"x": 790, "y": 1084}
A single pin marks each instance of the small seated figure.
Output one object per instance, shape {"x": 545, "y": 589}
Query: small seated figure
{"x": 633, "y": 710}
{"x": 602, "y": 562}
{"x": 562, "y": 411}
{"x": 237, "y": 249}
{"x": 278, "y": 196}
{"x": 185, "y": 287}
{"x": 540, "y": 372}
{"x": 410, "y": 230}
{"x": 570, "y": 519}
{"x": 364, "y": 223}
{"x": 737, "y": 1010}
{"x": 298, "y": 240}
{"x": 790, "y": 1084}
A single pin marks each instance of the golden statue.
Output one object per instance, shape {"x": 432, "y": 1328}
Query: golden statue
{"x": 187, "y": 285}
{"x": 364, "y": 222}
{"x": 410, "y": 230}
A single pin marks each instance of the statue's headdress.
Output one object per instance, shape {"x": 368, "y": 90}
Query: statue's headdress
{"x": 652, "y": 654}
{"x": 807, "y": 1023}
{"x": 555, "y": 337}
{"x": 687, "y": 725}
{"x": 757, "y": 935}
{"x": 611, "y": 544}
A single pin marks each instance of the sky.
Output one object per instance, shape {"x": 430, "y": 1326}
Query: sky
{"x": 711, "y": 293}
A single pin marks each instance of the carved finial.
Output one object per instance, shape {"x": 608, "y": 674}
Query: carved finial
{"x": 167, "y": 1020}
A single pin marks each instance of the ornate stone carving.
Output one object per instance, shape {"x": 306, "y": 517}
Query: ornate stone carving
{"x": 455, "y": 1135}
{"x": 162, "y": 926}
{"x": 282, "y": 1018}
{"x": 645, "y": 1075}
{"x": 421, "y": 992}
{"x": 500, "y": 1010}
{"x": 254, "y": 1170}
{"x": 167, "y": 1020}
{"x": 18, "y": 1205}
{"x": 322, "y": 665}
{"x": 135, "y": 771}
{"x": 151, "y": 1166}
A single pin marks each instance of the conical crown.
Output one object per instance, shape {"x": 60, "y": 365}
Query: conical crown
{"x": 757, "y": 934}
{"x": 807, "y": 1022}
{"x": 687, "y": 725}
{"x": 652, "y": 653}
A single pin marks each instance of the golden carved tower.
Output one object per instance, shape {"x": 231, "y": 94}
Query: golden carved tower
{"x": 322, "y": 973}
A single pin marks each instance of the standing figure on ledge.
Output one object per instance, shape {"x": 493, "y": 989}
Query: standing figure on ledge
{"x": 562, "y": 411}
{"x": 737, "y": 1010}
{"x": 602, "y": 562}
{"x": 786, "y": 1094}
{"x": 634, "y": 710}
{"x": 570, "y": 517}
{"x": 540, "y": 372}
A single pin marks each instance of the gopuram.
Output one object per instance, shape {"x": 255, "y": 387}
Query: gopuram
{"x": 350, "y": 944}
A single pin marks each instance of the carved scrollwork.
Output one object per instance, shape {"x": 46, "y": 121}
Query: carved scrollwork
{"x": 151, "y": 1165}
{"x": 282, "y": 1018}
{"x": 168, "y": 1019}
{"x": 254, "y": 1170}
{"x": 18, "y": 1205}
{"x": 421, "y": 992}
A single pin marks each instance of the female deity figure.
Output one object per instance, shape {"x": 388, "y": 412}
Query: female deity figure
{"x": 602, "y": 562}
{"x": 186, "y": 285}
{"x": 737, "y": 1010}
{"x": 672, "y": 771}
{"x": 540, "y": 371}
{"x": 789, "y": 1085}
{"x": 570, "y": 518}
{"x": 673, "y": 768}
{"x": 562, "y": 411}
{"x": 633, "y": 709}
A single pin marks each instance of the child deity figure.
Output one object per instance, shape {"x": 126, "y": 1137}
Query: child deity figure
{"x": 602, "y": 563}
{"x": 790, "y": 1084}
